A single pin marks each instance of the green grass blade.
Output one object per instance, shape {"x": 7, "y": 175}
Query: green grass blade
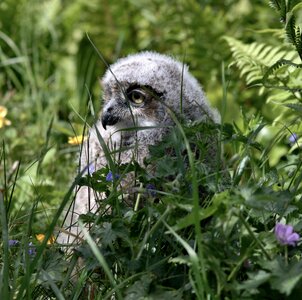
{"x": 4, "y": 285}
{"x": 55, "y": 289}
{"x": 100, "y": 258}
{"x": 23, "y": 285}
{"x": 200, "y": 288}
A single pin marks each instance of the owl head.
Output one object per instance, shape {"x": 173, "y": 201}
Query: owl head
{"x": 139, "y": 90}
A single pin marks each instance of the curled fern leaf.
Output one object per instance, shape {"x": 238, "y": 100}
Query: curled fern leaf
{"x": 255, "y": 59}
{"x": 274, "y": 68}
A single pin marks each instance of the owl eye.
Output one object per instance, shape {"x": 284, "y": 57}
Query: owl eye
{"x": 137, "y": 96}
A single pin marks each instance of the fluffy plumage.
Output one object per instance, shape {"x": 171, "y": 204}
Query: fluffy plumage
{"x": 139, "y": 91}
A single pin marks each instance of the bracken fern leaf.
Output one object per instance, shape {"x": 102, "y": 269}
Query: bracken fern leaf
{"x": 284, "y": 84}
{"x": 255, "y": 59}
{"x": 273, "y": 68}
{"x": 275, "y": 4}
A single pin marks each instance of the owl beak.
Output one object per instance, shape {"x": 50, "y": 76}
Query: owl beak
{"x": 109, "y": 119}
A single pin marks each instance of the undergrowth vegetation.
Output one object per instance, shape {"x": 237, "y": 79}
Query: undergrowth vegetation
{"x": 225, "y": 230}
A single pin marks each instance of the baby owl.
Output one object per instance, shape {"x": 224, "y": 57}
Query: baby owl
{"x": 139, "y": 93}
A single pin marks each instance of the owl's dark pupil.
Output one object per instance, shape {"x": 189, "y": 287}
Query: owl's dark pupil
{"x": 137, "y": 97}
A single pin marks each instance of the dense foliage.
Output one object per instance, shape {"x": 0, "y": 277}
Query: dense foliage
{"x": 193, "y": 231}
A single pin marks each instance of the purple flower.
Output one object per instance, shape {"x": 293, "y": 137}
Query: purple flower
{"x": 32, "y": 249}
{"x": 247, "y": 264}
{"x": 293, "y": 138}
{"x": 110, "y": 176}
{"x": 13, "y": 243}
{"x": 285, "y": 234}
{"x": 151, "y": 190}
{"x": 89, "y": 168}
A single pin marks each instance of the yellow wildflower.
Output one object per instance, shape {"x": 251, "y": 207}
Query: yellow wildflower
{"x": 3, "y": 120}
{"x": 76, "y": 140}
{"x": 40, "y": 237}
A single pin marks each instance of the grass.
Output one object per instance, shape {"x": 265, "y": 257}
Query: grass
{"x": 176, "y": 245}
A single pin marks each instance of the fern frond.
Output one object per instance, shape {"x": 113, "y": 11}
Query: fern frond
{"x": 254, "y": 59}
{"x": 293, "y": 32}
{"x": 290, "y": 29}
{"x": 283, "y": 10}
{"x": 299, "y": 41}
{"x": 271, "y": 70}
{"x": 280, "y": 97}
{"x": 275, "y": 4}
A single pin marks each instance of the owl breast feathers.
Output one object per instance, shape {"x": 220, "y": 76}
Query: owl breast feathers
{"x": 139, "y": 93}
